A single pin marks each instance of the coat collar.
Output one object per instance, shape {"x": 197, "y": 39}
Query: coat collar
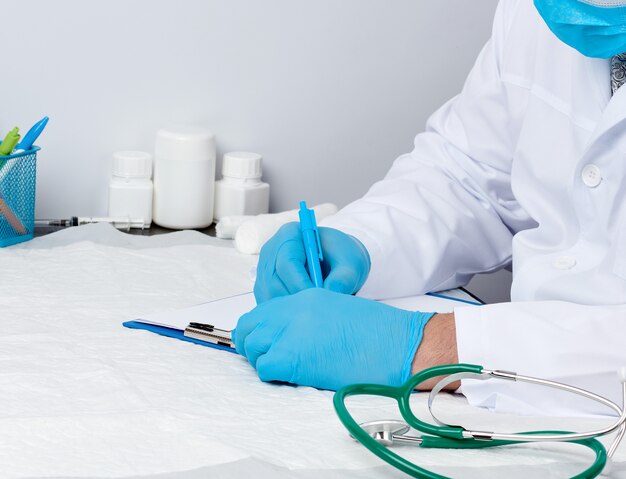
{"x": 613, "y": 107}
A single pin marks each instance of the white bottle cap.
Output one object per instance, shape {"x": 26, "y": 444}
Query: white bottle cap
{"x": 185, "y": 143}
{"x": 241, "y": 164}
{"x": 132, "y": 164}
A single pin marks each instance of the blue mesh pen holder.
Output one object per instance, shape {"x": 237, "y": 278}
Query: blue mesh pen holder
{"x": 18, "y": 174}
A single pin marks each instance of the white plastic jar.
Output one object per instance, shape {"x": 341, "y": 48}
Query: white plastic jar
{"x": 184, "y": 177}
{"x": 241, "y": 191}
{"x": 130, "y": 188}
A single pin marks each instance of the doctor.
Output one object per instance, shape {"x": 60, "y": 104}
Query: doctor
{"x": 527, "y": 165}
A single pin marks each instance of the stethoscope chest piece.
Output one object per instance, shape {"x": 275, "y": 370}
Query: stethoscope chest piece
{"x": 385, "y": 431}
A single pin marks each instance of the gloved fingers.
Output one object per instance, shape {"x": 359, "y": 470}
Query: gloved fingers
{"x": 276, "y": 365}
{"x": 268, "y": 284}
{"x": 265, "y": 283}
{"x": 346, "y": 261}
{"x": 259, "y": 341}
{"x": 290, "y": 267}
{"x": 246, "y": 324}
{"x": 281, "y": 269}
{"x": 343, "y": 279}
{"x": 249, "y": 322}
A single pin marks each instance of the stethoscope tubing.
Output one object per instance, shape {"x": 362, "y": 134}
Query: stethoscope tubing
{"x": 447, "y": 436}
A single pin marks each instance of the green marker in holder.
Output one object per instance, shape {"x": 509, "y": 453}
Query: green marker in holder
{"x": 9, "y": 142}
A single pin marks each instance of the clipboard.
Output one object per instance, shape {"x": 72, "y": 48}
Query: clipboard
{"x": 208, "y": 324}
{"x": 211, "y": 323}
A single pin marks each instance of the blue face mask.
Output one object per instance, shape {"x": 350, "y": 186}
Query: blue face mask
{"x": 596, "y": 28}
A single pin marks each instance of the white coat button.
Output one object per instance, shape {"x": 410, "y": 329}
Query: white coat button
{"x": 592, "y": 176}
{"x": 564, "y": 262}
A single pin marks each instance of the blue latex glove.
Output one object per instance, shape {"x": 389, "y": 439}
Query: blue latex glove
{"x": 282, "y": 264}
{"x": 328, "y": 340}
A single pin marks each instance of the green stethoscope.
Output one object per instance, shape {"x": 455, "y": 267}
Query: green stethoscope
{"x": 376, "y": 435}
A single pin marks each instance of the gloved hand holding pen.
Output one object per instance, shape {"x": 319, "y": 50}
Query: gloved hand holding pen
{"x": 282, "y": 264}
{"x": 304, "y": 332}
{"x": 328, "y": 340}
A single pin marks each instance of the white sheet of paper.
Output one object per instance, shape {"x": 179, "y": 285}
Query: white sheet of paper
{"x": 222, "y": 313}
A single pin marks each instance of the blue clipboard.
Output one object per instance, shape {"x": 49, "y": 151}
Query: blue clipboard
{"x": 174, "y": 333}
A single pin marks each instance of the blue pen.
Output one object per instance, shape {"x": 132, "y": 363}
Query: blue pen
{"x": 29, "y": 138}
{"x": 312, "y": 244}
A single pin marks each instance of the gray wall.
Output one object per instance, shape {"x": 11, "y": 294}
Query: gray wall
{"x": 329, "y": 91}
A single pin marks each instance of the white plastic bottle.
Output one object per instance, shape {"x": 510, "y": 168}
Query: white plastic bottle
{"x": 130, "y": 188}
{"x": 184, "y": 177}
{"x": 241, "y": 191}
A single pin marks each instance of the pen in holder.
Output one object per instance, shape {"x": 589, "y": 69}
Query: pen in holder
{"x": 17, "y": 196}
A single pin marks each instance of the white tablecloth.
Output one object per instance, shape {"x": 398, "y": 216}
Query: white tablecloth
{"x": 81, "y": 396}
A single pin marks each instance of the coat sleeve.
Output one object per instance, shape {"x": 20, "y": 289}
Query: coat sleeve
{"x": 575, "y": 344}
{"x": 446, "y": 211}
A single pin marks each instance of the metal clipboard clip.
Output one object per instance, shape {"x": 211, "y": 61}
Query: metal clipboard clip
{"x": 210, "y": 334}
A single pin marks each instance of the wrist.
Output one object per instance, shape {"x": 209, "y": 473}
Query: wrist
{"x": 438, "y": 347}
{"x": 416, "y": 325}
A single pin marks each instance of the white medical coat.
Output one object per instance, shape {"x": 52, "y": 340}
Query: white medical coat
{"x": 527, "y": 164}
